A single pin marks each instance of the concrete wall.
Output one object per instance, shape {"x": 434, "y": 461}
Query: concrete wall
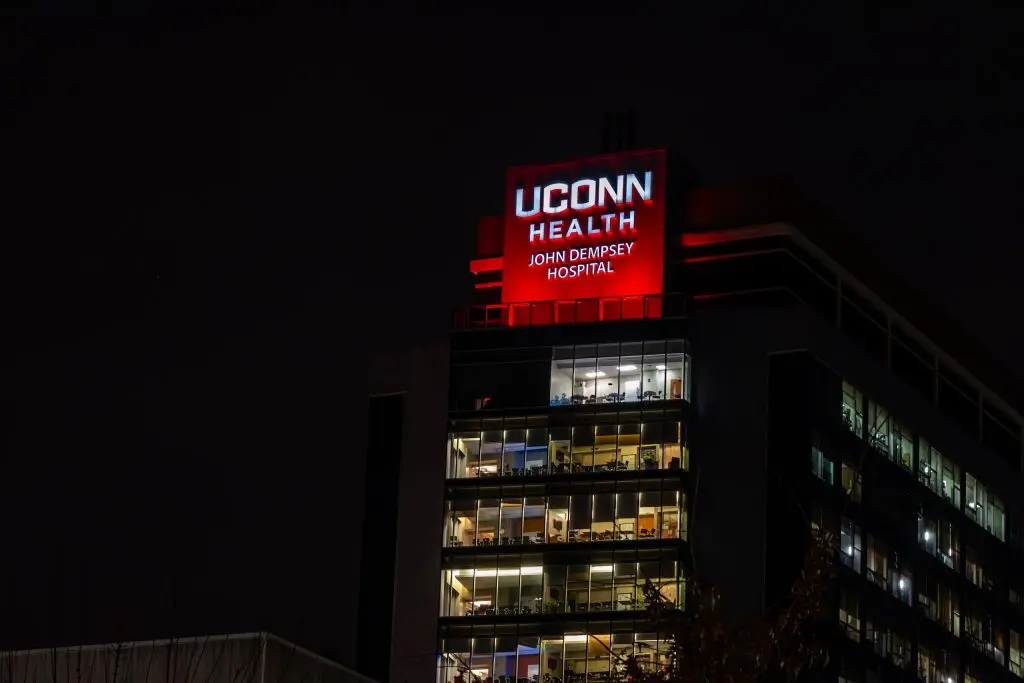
{"x": 423, "y": 374}
{"x": 727, "y": 445}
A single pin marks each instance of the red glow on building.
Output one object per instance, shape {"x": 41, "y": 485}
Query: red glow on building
{"x": 485, "y": 265}
{"x": 489, "y": 232}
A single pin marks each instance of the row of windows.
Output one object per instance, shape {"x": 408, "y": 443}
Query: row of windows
{"x": 617, "y": 515}
{"x": 957, "y": 398}
{"x": 825, "y": 469}
{"x": 937, "y": 537}
{"x": 630, "y": 374}
{"x": 883, "y": 567}
{"x": 942, "y": 605}
{"x": 531, "y": 451}
{"x": 602, "y": 415}
{"x": 566, "y": 658}
{"x": 892, "y": 438}
{"x": 594, "y": 651}
{"x": 934, "y": 599}
{"x": 557, "y": 588}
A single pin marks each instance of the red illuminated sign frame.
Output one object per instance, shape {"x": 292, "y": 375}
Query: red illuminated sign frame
{"x": 591, "y": 228}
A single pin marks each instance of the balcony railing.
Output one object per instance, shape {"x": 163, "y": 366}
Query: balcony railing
{"x": 573, "y": 311}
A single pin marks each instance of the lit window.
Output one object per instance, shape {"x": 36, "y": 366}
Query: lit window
{"x": 974, "y": 569}
{"x": 528, "y": 447}
{"x": 851, "y": 482}
{"x": 850, "y": 545}
{"x": 985, "y": 508}
{"x": 558, "y": 588}
{"x": 822, "y": 467}
{"x": 849, "y": 614}
{"x": 1016, "y": 659}
{"x": 902, "y": 440}
{"x": 926, "y": 665}
{"x": 879, "y": 428}
{"x": 940, "y": 539}
{"x": 853, "y": 402}
{"x": 649, "y": 513}
{"x": 949, "y": 609}
{"x": 631, "y": 372}
{"x": 878, "y": 563}
{"x": 464, "y": 454}
{"x": 939, "y": 473}
{"x": 902, "y": 584}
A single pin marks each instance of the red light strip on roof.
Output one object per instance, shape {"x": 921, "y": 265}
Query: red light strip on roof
{"x": 486, "y": 265}
{"x": 723, "y": 257}
{"x": 703, "y": 239}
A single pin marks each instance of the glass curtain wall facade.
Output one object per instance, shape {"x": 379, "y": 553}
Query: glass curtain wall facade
{"x": 491, "y": 653}
{"x": 954, "y": 575}
{"x": 631, "y": 372}
{"x": 528, "y": 584}
{"x": 524, "y": 447}
{"x": 602, "y": 512}
{"x": 555, "y": 518}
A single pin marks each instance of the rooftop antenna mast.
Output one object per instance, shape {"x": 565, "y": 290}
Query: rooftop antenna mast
{"x": 619, "y": 133}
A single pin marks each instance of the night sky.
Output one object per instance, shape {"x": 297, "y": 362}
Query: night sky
{"x": 215, "y": 219}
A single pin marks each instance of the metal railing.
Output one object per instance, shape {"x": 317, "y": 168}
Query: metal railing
{"x": 572, "y": 311}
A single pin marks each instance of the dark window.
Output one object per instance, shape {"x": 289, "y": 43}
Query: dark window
{"x": 818, "y": 294}
{"x": 912, "y": 369}
{"x": 1002, "y": 418}
{"x": 864, "y": 306}
{"x": 999, "y": 439}
{"x": 959, "y": 383}
{"x": 956, "y": 406}
{"x": 824, "y": 273}
{"x": 500, "y": 385}
{"x": 912, "y": 344}
{"x": 466, "y": 425}
{"x": 863, "y": 331}
{"x": 733, "y": 274}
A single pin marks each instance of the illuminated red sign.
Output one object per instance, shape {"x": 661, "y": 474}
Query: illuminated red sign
{"x": 586, "y": 229}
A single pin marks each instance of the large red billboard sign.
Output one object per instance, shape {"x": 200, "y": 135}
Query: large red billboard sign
{"x": 586, "y": 229}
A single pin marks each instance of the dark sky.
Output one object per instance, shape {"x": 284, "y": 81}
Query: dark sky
{"x": 272, "y": 153}
{"x": 214, "y": 217}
